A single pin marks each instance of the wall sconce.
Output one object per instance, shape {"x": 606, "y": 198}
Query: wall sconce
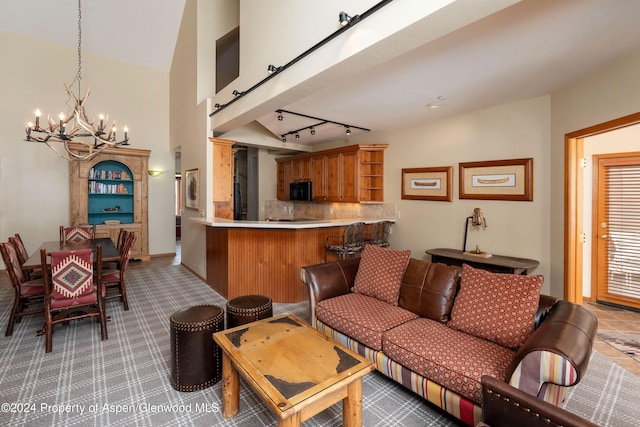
{"x": 155, "y": 172}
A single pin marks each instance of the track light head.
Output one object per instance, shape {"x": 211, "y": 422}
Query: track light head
{"x": 297, "y": 135}
{"x": 345, "y": 19}
{"x": 237, "y": 93}
{"x": 273, "y": 69}
{"x": 284, "y": 138}
{"x": 348, "y": 131}
{"x": 280, "y": 117}
{"x": 313, "y": 131}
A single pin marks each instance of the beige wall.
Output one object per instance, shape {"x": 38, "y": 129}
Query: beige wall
{"x": 511, "y": 131}
{"x": 607, "y": 94}
{"x": 34, "y": 181}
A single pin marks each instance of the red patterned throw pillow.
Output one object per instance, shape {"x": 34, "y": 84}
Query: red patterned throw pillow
{"x": 380, "y": 273}
{"x": 497, "y": 307}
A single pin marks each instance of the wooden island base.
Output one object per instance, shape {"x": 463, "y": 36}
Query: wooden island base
{"x": 265, "y": 261}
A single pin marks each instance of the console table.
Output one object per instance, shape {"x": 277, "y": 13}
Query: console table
{"x": 496, "y": 264}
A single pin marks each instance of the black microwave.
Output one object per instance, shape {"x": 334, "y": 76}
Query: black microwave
{"x": 300, "y": 191}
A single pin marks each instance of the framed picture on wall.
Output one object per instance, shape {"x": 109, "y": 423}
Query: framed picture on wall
{"x": 428, "y": 183}
{"x": 497, "y": 180}
{"x": 192, "y": 188}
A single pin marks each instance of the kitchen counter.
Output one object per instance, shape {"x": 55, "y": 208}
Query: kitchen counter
{"x": 264, "y": 257}
{"x": 284, "y": 223}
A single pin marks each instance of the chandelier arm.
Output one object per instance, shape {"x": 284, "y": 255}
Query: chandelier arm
{"x": 81, "y": 133}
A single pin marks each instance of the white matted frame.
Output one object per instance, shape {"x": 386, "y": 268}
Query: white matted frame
{"x": 434, "y": 183}
{"x": 497, "y": 180}
{"x": 192, "y": 189}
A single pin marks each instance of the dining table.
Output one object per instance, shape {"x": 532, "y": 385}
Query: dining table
{"x": 109, "y": 250}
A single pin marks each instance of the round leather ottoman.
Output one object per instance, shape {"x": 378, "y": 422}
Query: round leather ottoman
{"x": 247, "y": 309}
{"x": 195, "y": 358}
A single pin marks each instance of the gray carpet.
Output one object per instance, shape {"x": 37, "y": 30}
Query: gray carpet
{"x": 125, "y": 380}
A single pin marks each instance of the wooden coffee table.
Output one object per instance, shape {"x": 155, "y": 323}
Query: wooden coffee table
{"x": 297, "y": 370}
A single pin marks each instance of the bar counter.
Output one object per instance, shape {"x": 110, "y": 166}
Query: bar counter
{"x": 264, "y": 257}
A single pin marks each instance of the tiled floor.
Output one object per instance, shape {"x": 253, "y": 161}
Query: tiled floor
{"x": 612, "y": 319}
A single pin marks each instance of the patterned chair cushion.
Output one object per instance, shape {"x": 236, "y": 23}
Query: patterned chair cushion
{"x": 77, "y": 234}
{"x": 71, "y": 274}
{"x": 380, "y": 273}
{"x": 455, "y": 360}
{"x": 497, "y": 307}
{"x": 359, "y": 316}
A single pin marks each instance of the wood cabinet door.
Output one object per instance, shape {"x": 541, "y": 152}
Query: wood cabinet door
{"x": 334, "y": 178}
{"x": 222, "y": 172}
{"x": 284, "y": 178}
{"x": 318, "y": 174}
{"x": 349, "y": 177}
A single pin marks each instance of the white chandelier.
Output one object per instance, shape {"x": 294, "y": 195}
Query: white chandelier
{"x": 75, "y": 132}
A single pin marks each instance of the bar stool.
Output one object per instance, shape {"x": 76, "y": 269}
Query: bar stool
{"x": 247, "y": 309}
{"x": 195, "y": 358}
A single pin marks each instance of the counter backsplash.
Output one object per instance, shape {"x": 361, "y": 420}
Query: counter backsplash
{"x": 278, "y": 209}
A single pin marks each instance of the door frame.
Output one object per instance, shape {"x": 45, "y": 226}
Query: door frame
{"x": 573, "y": 189}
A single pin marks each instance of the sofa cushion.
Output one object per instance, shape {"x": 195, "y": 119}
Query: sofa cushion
{"x": 361, "y": 317}
{"x": 451, "y": 358}
{"x": 428, "y": 289}
{"x": 497, "y": 307}
{"x": 380, "y": 273}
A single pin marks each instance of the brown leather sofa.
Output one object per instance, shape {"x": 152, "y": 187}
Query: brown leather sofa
{"x": 554, "y": 357}
{"x": 506, "y": 406}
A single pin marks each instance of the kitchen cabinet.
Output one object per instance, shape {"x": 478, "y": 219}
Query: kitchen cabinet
{"x": 223, "y": 164}
{"x": 353, "y": 174}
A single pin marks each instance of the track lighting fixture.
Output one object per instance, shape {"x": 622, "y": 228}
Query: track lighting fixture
{"x": 345, "y": 19}
{"x": 280, "y": 117}
{"x": 237, "y": 93}
{"x": 312, "y": 128}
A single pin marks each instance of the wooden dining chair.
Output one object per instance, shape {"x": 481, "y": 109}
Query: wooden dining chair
{"x": 72, "y": 291}
{"x": 77, "y": 234}
{"x": 114, "y": 280}
{"x": 27, "y": 294}
{"x": 23, "y": 256}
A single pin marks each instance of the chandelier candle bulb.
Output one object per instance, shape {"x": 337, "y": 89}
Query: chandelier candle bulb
{"x": 126, "y": 133}
{"x": 61, "y": 123}
{"x": 101, "y": 128}
{"x": 38, "y": 113}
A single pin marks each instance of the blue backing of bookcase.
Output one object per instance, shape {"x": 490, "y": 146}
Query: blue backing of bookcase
{"x": 110, "y": 186}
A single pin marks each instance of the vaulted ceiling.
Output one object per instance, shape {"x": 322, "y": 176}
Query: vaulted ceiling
{"x": 530, "y": 49}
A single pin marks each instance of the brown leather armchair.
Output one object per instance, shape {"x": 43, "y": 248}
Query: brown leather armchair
{"x": 506, "y": 406}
